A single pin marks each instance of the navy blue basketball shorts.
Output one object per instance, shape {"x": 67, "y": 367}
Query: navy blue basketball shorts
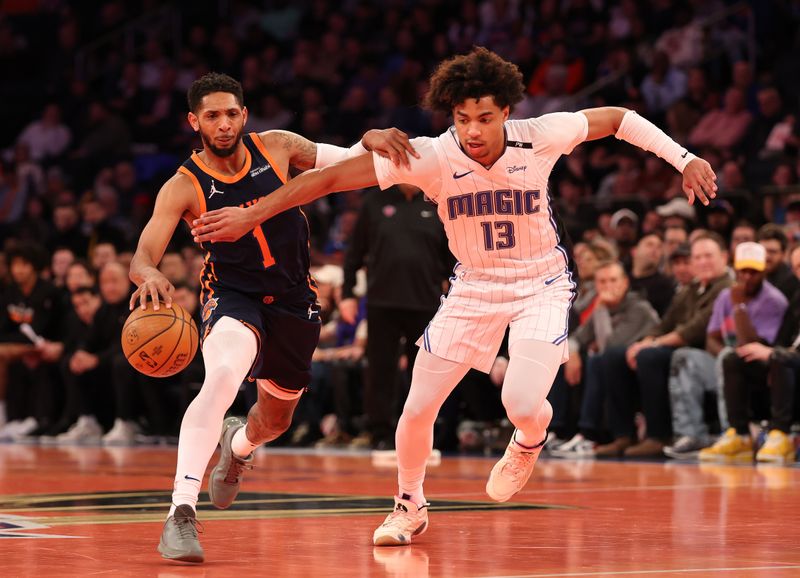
{"x": 287, "y": 335}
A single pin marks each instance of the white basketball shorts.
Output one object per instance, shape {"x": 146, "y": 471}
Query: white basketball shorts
{"x": 472, "y": 319}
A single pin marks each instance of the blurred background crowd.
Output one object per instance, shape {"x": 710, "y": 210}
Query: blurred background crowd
{"x": 94, "y": 121}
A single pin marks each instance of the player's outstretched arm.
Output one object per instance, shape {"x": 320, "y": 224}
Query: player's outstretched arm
{"x": 698, "y": 176}
{"x": 231, "y": 223}
{"x": 304, "y": 154}
{"x": 174, "y": 199}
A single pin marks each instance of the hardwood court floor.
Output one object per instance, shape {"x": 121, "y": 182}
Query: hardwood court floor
{"x": 98, "y": 512}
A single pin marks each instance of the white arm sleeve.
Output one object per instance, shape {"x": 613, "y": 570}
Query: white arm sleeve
{"x": 424, "y": 172}
{"x": 328, "y": 154}
{"x": 644, "y": 134}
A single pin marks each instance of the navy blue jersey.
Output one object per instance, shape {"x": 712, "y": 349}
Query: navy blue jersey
{"x": 269, "y": 263}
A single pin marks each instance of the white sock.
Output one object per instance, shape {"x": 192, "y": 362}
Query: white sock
{"x": 432, "y": 381}
{"x": 228, "y": 353}
{"x": 531, "y": 369}
{"x": 242, "y": 446}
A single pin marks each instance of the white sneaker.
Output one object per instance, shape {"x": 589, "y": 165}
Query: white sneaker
{"x": 578, "y": 447}
{"x": 554, "y": 443}
{"x": 122, "y": 434}
{"x": 7, "y": 432}
{"x": 511, "y": 473}
{"x": 686, "y": 448}
{"x": 406, "y": 521}
{"x": 25, "y": 427}
{"x": 84, "y": 431}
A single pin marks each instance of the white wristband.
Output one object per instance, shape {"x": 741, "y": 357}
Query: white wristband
{"x": 644, "y": 134}
{"x": 356, "y": 150}
{"x": 328, "y": 154}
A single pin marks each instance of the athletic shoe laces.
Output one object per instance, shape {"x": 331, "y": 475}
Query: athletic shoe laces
{"x": 187, "y": 526}
{"x": 234, "y": 473}
{"x": 517, "y": 463}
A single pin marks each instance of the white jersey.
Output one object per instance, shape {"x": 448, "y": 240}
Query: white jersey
{"x": 498, "y": 220}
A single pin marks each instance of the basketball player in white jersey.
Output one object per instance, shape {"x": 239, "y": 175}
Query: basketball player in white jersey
{"x": 488, "y": 175}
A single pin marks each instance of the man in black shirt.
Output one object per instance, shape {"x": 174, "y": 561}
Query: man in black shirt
{"x": 645, "y": 277}
{"x": 31, "y": 302}
{"x": 403, "y": 245}
{"x": 98, "y": 361}
{"x": 775, "y": 241}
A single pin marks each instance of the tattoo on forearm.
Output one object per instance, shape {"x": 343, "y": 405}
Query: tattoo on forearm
{"x": 302, "y": 152}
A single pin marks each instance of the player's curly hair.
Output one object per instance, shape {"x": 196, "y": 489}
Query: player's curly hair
{"x": 475, "y": 75}
{"x": 213, "y": 82}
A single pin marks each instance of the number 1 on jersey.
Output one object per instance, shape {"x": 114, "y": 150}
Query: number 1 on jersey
{"x": 505, "y": 235}
{"x": 268, "y": 260}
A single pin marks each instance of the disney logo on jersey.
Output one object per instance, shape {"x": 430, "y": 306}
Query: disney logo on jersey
{"x": 515, "y": 169}
{"x": 258, "y": 170}
{"x": 500, "y": 202}
{"x": 214, "y": 190}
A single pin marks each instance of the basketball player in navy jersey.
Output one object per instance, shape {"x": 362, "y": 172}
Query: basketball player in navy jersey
{"x": 259, "y": 304}
{"x": 489, "y": 176}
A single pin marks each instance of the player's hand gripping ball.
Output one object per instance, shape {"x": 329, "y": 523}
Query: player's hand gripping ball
{"x": 160, "y": 343}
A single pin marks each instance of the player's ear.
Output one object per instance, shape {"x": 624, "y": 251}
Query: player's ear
{"x": 506, "y": 111}
{"x": 244, "y": 115}
{"x": 194, "y": 122}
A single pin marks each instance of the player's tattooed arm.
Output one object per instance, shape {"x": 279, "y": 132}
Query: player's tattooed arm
{"x": 301, "y": 152}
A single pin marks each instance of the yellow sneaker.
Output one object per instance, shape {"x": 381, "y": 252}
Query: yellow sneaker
{"x": 731, "y": 447}
{"x": 778, "y": 449}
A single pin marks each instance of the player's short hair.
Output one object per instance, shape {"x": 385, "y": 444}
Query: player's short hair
{"x": 213, "y": 82}
{"x": 475, "y": 75}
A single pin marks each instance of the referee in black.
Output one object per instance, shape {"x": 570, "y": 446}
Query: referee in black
{"x": 402, "y": 243}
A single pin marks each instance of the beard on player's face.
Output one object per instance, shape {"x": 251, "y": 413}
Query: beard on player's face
{"x": 223, "y": 152}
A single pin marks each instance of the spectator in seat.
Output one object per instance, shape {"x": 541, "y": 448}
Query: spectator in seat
{"x": 774, "y": 240}
{"x": 747, "y": 319}
{"x": 644, "y": 366}
{"x": 620, "y": 318}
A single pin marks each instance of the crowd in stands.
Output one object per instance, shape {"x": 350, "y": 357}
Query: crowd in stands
{"x": 674, "y": 340}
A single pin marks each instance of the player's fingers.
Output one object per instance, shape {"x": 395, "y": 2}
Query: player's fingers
{"x": 689, "y": 194}
{"x": 143, "y": 298}
{"x": 207, "y": 218}
{"x": 133, "y": 299}
{"x": 203, "y": 230}
{"x": 711, "y": 175}
{"x": 154, "y": 297}
{"x": 701, "y": 192}
{"x": 712, "y": 186}
{"x": 167, "y": 295}
{"x": 401, "y": 157}
{"x": 410, "y": 148}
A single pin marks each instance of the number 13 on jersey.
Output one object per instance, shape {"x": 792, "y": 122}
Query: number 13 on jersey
{"x": 502, "y": 230}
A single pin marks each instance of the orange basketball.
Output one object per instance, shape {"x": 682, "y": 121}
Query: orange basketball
{"x": 159, "y": 343}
